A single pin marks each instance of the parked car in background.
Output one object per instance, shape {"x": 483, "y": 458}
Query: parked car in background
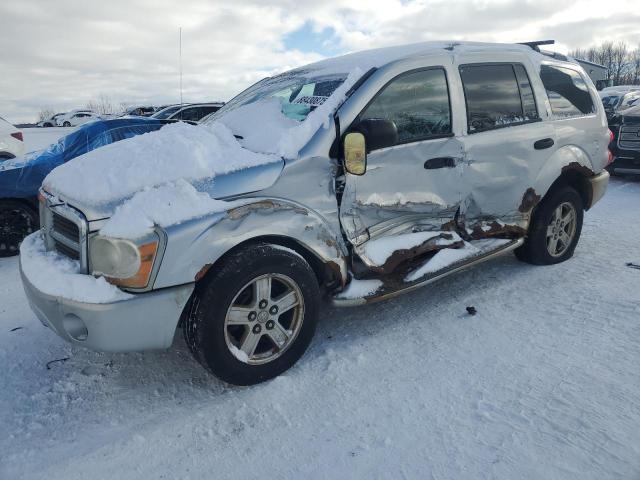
{"x": 193, "y": 112}
{"x": 370, "y": 175}
{"x": 166, "y": 111}
{"x": 11, "y": 141}
{"x": 625, "y": 126}
{"x": 80, "y": 118}
{"x": 140, "y": 111}
{"x": 20, "y": 180}
{"x": 615, "y": 101}
{"x": 51, "y": 121}
{"x": 64, "y": 120}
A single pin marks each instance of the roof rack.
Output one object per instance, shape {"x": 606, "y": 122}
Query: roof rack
{"x": 536, "y": 44}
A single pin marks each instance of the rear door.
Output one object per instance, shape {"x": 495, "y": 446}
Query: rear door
{"x": 415, "y": 184}
{"x": 506, "y": 145}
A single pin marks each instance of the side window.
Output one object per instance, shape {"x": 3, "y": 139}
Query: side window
{"x": 526, "y": 93}
{"x": 417, "y": 102}
{"x": 567, "y": 91}
{"x": 497, "y": 96}
{"x": 185, "y": 114}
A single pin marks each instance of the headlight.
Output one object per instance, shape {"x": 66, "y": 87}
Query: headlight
{"x": 123, "y": 262}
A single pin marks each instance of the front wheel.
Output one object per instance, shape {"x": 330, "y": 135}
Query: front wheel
{"x": 66, "y": 124}
{"x": 555, "y": 228}
{"x": 253, "y": 318}
{"x": 17, "y": 220}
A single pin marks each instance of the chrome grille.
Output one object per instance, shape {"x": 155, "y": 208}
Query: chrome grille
{"x": 66, "y": 250}
{"x": 629, "y": 137}
{"x": 65, "y": 227}
{"x": 65, "y": 230}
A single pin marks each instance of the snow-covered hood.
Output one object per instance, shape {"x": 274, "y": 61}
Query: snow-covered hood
{"x": 251, "y": 179}
{"x": 208, "y": 158}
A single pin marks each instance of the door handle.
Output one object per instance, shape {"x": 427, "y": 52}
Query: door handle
{"x": 440, "y": 162}
{"x": 544, "y": 143}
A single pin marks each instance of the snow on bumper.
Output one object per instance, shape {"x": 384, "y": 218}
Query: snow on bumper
{"x": 105, "y": 320}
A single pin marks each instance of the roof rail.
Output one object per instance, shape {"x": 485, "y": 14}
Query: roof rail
{"x": 536, "y": 44}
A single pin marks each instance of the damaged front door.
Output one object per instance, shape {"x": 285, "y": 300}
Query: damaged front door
{"x": 413, "y": 184}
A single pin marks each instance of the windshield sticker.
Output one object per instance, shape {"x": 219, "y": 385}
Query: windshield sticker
{"x": 313, "y": 100}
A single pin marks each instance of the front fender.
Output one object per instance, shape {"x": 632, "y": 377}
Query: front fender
{"x": 195, "y": 245}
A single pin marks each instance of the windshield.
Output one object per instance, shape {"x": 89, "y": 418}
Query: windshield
{"x": 298, "y": 91}
{"x": 166, "y": 112}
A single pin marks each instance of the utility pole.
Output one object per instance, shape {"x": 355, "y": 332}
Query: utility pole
{"x": 180, "y": 65}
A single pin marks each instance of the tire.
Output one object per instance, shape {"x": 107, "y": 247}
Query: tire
{"x": 17, "y": 220}
{"x": 47, "y": 125}
{"x": 232, "y": 294}
{"x": 560, "y": 237}
{"x": 66, "y": 124}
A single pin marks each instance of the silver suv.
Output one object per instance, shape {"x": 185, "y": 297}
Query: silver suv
{"x": 436, "y": 157}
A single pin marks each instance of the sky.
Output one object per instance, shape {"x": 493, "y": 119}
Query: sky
{"x": 61, "y": 54}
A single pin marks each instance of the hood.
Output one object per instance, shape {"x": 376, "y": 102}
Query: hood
{"x": 229, "y": 185}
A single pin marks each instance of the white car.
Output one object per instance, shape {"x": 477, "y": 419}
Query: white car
{"x": 51, "y": 121}
{"x": 78, "y": 118}
{"x": 11, "y": 141}
{"x": 65, "y": 119}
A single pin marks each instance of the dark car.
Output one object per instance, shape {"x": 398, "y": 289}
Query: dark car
{"x": 625, "y": 147}
{"x": 193, "y": 112}
{"x": 20, "y": 179}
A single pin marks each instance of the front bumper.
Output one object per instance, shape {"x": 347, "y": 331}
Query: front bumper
{"x": 626, "y": 162}
{"x": 598, "y": 187}
{"x": 145, "y": 322}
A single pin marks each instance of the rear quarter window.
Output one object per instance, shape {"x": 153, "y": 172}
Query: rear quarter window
{"x": 567, "y": 91}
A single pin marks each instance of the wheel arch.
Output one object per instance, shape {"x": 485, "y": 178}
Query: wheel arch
{"x": 575, "y": 169}
{"x": 328, "y": 274}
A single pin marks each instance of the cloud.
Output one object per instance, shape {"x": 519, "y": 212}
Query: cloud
{"x": 63, "y": 53}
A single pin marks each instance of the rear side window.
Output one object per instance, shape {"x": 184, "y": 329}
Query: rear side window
{"x": 497, "y": 96}
{"x": 417, "y": 102}
{"x": 567, "y": 91}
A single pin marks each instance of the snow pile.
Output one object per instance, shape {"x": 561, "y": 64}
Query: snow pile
{"x": 59, "y": 276}
{"x": 165, "y": 205}
{"x": 259, "y": 123}
{"x": 266, "y": 129}
{"x": 360, "y": 288}
{"x": 379, "y": 250}
{"x": 403, "y": 198}
{"x": 177, "y": 151}
{"x": 443, "y": 259}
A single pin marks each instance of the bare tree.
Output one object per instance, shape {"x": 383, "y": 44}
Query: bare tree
{"x": 102, "y": 105}
{"x": 45, "y": 113}
{"x": 622, "y": 63}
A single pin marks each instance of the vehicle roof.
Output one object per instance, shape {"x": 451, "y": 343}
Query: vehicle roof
{"x": 379, "y": 57}
{"x": 205, "y": 104}
{"x": 631, "y": 112}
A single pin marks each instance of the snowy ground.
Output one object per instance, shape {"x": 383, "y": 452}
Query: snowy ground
{"x": 39, "y": 138}
{"x": 543, "y": 383}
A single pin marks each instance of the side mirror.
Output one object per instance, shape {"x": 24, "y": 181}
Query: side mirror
{"x": 379, "y": 132}
{"x": 355, "y": 154}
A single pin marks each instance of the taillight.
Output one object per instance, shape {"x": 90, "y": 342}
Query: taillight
{"x": 612, "y": 136}
{"x": 18, "y": 136}
{"x": 609, "y": 153}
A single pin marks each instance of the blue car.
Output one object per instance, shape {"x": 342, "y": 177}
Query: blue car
{"x": 20, "y": 179}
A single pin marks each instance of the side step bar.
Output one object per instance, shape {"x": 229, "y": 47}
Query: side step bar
{"x": 387, "y": 292}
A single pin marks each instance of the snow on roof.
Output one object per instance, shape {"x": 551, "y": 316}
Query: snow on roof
{"x": 378, "y": 57}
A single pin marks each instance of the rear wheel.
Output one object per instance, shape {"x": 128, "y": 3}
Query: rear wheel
{"x": 555, "y": 228}
{"x": 17, "y": 220}
{"x": 253, "y": 318}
